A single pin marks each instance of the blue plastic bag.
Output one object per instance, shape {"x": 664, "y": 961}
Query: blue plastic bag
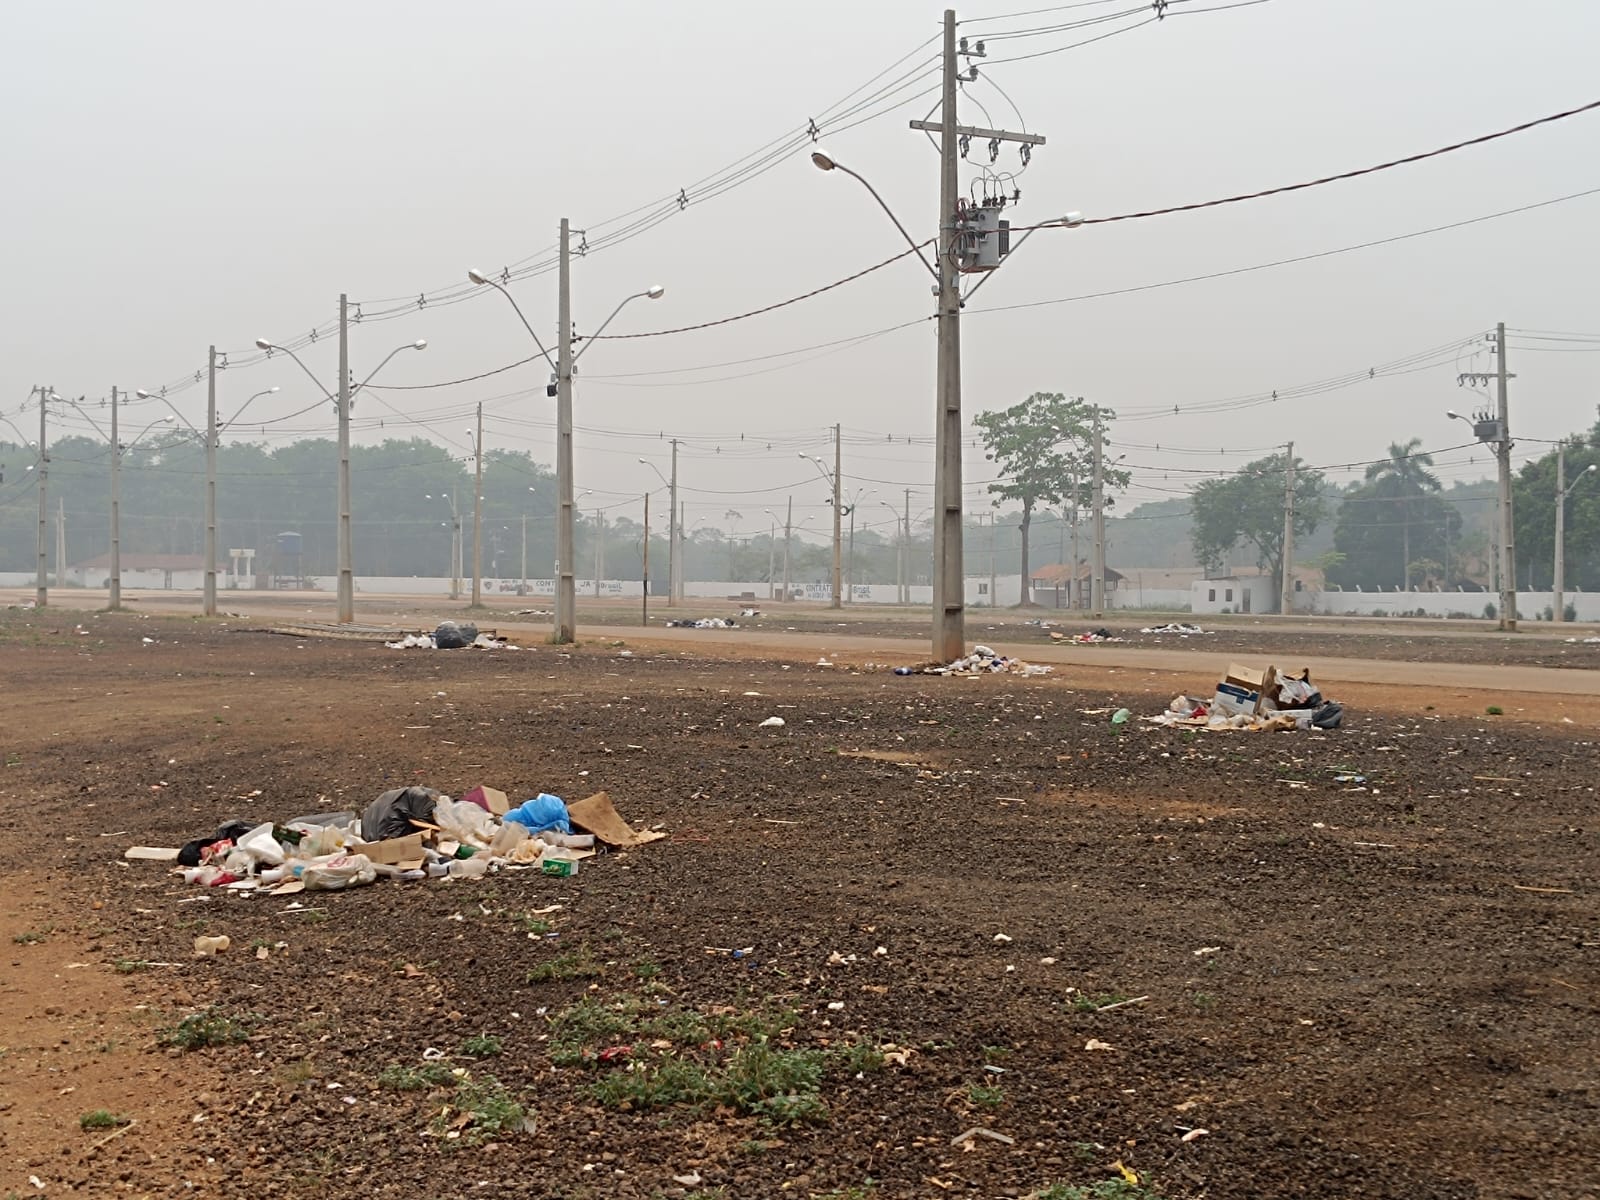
{"x": 543, "y": 812}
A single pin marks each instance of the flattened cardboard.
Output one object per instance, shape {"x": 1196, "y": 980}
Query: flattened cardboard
{"x": 395, "y": 851}
{"x": 151, "y": 854}
{"x": 598, "y": 816}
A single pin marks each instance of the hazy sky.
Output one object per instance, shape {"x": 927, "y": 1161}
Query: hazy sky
{"x": 182, "y": 173}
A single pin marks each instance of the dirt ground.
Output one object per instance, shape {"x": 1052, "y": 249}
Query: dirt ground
{"x": 1189, "y": 964}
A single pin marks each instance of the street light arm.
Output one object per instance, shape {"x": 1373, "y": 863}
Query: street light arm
{"x": 266, "y": 345}
{"x": 419, "y": 344}
{"x": 1581, "y": 476}
{"x": 512, "y": 300}
{"x": 229, "y": 423}
{"x": 646, "y": 462}
{"x": 142, "y": 432}
{"x": 910, "y": 241}
{"x": 78, "y": 408}
{"x": 181, "y": 417}
{"x": 590, "y": 340}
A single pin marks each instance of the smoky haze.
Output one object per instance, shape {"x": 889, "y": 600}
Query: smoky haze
{"x": 184, "y": 174}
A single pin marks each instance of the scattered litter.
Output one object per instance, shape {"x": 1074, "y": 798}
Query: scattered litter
{"x": 982, "y": 661}
{"x": 1120, "y": 717}
{"x": 772, "y": 723}
{"x": 703, "y": 623}
{"x": 1002, "y": 938}
{"x": 1204, "y": 950}
{"x": 1097, "y": 1044}
{"x": 749, "y": 612}
{"x": 205, "y": 947}
{"x": 1181, "y": 628}
{"x": 406, "y": 833}
{"x": 1257, "y": 701}
{"x": 978, "y": 1131}
{"x": 1195, "y": 1134}
{"x": 1093, "y": 637}
{"x": 451, "y": 635}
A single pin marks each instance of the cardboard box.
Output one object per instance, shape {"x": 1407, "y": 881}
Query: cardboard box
{"x": 1243, "y": 690}
{"x": 490, "y": 799}
{"x": 403, "y": 852}
{"x": 559, "y": 866}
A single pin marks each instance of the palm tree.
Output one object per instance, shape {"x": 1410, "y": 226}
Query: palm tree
{"x": 1405, "y": 476}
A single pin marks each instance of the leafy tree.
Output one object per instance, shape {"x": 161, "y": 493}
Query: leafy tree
{"x": 1534, "y": 511}
{"x": 1043, "y": 448}
{"x": 1248, "y": 507}
{"x": 1402, "y": 479}
{"x": 1373, "y": 537}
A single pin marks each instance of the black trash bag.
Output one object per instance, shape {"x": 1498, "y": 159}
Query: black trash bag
{"x": 1328, "y": 716}
{"x": 231, "y": 831}
{"x": 391, "y": 814}
{"x": 452, "y": 635}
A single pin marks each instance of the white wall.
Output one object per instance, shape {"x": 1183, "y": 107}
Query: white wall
{"x": 1530, "y": 605}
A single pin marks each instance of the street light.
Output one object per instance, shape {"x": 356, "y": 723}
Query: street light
{"x": 832, "y": 479}
{"x": 674, "y": 525}
{"x": 347, "y": 394}
{"x": 566, "y": 623}
{"x": 455, "y": 542}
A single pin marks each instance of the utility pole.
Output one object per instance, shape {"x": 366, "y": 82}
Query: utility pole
{"x": 1560, "y": 578}
{"x": 1286, "y": 588}
{"x": 772, "y": 557}
{"x": 993, "y": 580}
{"x": 599, "y": 548}
{"x": 1508, "y": 542}
{"x": 1098, "y": 583}
{"x": 61, "y": 540}
{"x": 209, "y": 603}
{"x": 115, "y": 596}
{"x": 674, "y": 531}
{"x": 1075, "y": 587}
{"x": 683, "y": 520}
{"x": 477, "y": 514}
{"x": 524, "y": 590}
{"x": 788, "y": 541}
{"x": 850, "y": 577}
{"x": 41, "y": 591}
{"x": 905, "y": 554}
{"x": 347, "y": 579}
{"x": 838, "y": 516}
{"x": 645, "y": 617}
{"x": 949, "y": 582}
{"x": 566, "y": 580}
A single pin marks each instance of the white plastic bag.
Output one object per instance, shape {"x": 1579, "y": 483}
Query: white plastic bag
{"x": 261, "y": 845}
{"x": 347, "y": 870}
{"x": 464, "y": 821}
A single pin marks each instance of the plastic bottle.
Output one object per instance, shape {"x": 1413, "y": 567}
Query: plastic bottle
{"x": 469, "y": 868}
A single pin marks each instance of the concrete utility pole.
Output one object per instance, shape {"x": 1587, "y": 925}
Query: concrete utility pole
{"x": 1562, "y": 491}
{"x": 788, "y": 541}
{"x": 1075, "y": 587}
{"x": 209, "y": 603}
{"x": 477, "y": 514}
{"x": 674, "y": 532}
{"x": 645, "y": 572}
{"x": 524, "y": 590}
{"x": 347, "y": 578}
{"x": 772, "y": 555}
{"x": 566, "y": 578}
{"x": 949, "y": 578}
{"x": 1286, "y": 597}
{"x": 41, "y": 590}
{"x": 599, "y": 548}
{"x": 115, "y": 597}
{"x": 61, "y": 541}
{"x": 838, "y": 516}
{"x": 905, "y": 554}
{"x": 994, "y": 598}
{"x": 683, "y": 520}
{"x": 1508, "y": 541}
{"x": 1098, "y": 582}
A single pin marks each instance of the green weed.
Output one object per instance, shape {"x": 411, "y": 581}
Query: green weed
{"x": 207, "y": 1028}
{"x": 490, "y": 1110}
{"x": 31, "y": 938}
{"x": 571, "y": 964}
{"x": 398, "y": 1077}
{"x": 101, "y": 1119}
{"x": 481, "y": 1046}
{"x": 1083, "y": 1002}
{"x": 985, "y": 1095}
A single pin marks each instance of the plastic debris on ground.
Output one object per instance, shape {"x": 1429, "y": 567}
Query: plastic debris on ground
{"x": 406, "y": 833}
{"x": 452, "y": 635}
{"x": 703, "y": 623}
{"x": 1090, "y": 638}
{"x": 1257, "y": 702}
{"x": 1181, "y": 628}
{"x": 982, "y": 661}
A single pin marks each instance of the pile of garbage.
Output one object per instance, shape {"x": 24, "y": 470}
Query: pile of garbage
{"x": 703, "y": 623}
{"x": 452, "y": 635}
{"x": 1085, "y": 639}
{"x": 982, "y": 661}
{"x": 1181, "y": 628}
{"x": 406, "y": 833}
{"x": 1257, "y": 701}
